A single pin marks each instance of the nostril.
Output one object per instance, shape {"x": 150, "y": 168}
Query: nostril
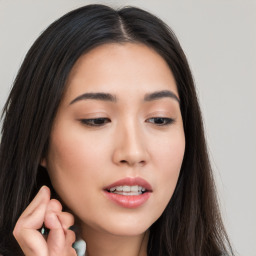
{"x": 131, "y": 163}
{"x": 142, "y": 162}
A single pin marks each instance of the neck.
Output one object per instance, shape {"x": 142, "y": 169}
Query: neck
{"x": 104, "y": 244}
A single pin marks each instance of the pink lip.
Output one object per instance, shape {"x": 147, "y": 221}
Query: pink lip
{"x": 131, "y": 182}
{"x": 129, "y": 201}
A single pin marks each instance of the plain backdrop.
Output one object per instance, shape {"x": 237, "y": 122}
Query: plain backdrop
{"x": 219, "y": 39}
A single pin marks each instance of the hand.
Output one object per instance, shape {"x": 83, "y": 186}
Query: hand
{"x": 43, "y": 210}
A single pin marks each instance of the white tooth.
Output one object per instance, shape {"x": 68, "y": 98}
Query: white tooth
{"x": 135, "y": 193}
{"x": 119, "y": 188}
{"x": 119, "y": 192}
{"x": 135, "y": 188}
{"x": 128, "y": 193}
{"x": 126, "y": 188}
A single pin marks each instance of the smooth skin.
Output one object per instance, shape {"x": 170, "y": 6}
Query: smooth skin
{"x": 95, "y": 142}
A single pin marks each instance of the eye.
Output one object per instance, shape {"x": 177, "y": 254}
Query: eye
{"x": 160, "y": 121}
{"x": 95, "y": 121}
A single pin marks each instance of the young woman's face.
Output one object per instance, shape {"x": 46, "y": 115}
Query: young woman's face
{"x": 117, "y": 143}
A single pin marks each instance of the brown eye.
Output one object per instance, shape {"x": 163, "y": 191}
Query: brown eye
{"x": 160, "y": 121}
{"x": 95, "y": 121}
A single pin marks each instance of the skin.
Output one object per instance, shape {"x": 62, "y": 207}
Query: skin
{"x": 131, "y": 142}
{"x": 48, "y": 211}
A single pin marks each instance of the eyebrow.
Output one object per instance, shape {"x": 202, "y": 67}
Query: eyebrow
{"x": 161, "y": 94}
{"x": 95, "y": 96}
{"x": 112, "y": 98}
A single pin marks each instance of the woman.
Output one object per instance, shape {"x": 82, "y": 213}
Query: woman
{"x": 104, "y": 113}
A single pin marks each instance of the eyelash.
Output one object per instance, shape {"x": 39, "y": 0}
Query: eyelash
{"x": 102, "y": 121}
{"x": 91, "y": 122}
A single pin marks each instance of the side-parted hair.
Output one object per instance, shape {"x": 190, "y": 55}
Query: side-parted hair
{"x": 191, "y": 224}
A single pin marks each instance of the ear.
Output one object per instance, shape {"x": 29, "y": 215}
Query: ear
{"x": 43, "y": 162}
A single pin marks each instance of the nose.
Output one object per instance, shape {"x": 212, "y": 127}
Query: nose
{"x": 130, "y": 146}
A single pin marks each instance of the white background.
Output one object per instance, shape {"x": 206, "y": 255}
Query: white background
{"x": 219, "y": 38}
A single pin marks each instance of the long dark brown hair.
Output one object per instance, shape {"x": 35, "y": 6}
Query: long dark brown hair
{"x": 191, "y": 224}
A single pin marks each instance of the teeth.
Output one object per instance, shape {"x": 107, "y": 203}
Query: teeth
{"x": 119, "y": 188}
{"x": 127, "y": 190}
{"x": 135, "y": 188}
{"x": 128, "y": 193}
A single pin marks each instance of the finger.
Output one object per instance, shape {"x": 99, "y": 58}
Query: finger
{"x": 33, "y": 216}
{"x": 32, "y": 243}
{"x": 60, "y": 242}
{"x": 25, "y": 231}
{"x": 66, "y": 219}
{"x": 42, "y": 197}
{"x": 52, "y": 221}
{"x": 70, "y": 252}
{"x": 70, "y": 238}
{"x": 60, "y": 238}
{"x": 54, "y": 205}
{"x": 56, "y": 238}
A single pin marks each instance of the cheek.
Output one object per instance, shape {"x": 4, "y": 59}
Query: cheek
{"x": 73, "y": 165}
{"x": 72, "y": 150}
{"x": 168, "y": 157}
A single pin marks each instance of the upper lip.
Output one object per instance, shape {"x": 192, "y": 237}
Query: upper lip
{"x": 131, "y": 181}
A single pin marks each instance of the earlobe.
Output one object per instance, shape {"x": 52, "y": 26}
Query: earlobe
{"x": 43, "y": 162}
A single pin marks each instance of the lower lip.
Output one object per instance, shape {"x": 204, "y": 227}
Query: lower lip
{"x": 128, "y": 201}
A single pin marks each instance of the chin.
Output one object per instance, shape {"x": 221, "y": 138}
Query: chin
{"x": 115, "y": 227}
{"x": 132, "y": 231}
{"x": 129, "y": 227}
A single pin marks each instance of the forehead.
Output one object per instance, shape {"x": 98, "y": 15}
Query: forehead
{"x": 118, "y": 68}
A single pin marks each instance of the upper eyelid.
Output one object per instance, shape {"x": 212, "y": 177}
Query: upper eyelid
{"x": 86, "y": 121}
{"x": 94, "y": 118}
{"x": 149, "y": 117}
{"x": 106, "y": 120}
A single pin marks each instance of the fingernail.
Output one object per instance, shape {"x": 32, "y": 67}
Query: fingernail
{"x": 43, "y": 188}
